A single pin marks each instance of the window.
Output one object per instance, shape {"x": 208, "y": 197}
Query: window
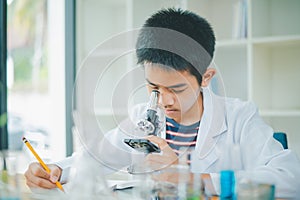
{"x": 36, "y": 76}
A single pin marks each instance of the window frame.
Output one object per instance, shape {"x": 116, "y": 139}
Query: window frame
{"x": 3, "y": 76}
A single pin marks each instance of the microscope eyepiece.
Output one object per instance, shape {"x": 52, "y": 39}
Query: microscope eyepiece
{"x": 153, "y": 102}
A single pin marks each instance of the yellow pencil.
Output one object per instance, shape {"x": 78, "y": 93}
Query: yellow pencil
{"x": 41, "y": 161}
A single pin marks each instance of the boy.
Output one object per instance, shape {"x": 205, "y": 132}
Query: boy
{"x": 175, "y": 48}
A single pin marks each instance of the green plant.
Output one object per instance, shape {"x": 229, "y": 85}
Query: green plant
{"x": 3, "y": 119}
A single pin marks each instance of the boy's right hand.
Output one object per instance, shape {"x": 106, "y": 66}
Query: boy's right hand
{"x": 37, "y": 177}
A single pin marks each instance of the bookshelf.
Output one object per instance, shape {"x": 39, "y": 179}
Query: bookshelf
{"x": 262, "y": 64}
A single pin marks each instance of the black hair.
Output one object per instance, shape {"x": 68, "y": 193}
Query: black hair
{"x": 170, "y": 36}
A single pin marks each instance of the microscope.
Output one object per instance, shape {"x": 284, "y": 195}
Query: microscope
{"x": 149, "y": 125}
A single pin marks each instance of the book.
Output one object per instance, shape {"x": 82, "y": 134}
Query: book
{"x": 239, "y": 19}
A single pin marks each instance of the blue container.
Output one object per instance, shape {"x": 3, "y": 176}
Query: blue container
{"x": 227, "y": 181}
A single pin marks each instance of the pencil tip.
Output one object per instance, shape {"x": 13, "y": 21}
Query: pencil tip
{"x": 24, "y": 139}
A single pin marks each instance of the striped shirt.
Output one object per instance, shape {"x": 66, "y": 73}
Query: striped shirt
{"x": 178, "y": 136}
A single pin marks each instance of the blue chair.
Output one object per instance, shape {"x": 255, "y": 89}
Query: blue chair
{"x": 281, "y": 137}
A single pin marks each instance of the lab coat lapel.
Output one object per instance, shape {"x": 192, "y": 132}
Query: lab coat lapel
{"x": 213, "y": 124}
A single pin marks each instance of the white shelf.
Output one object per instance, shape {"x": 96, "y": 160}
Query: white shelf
{"x": 280, "y": 113}
{"x": 275, "y": 17}
{"x": 276, "y": 83}
{"x": 278, "y": 40}
{"x": 231, "y": 43}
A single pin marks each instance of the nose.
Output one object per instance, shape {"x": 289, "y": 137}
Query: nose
{"x": 166, "y": 98}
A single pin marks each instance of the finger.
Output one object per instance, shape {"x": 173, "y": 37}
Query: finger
{"x": 156, "y": 139}
{"x": 37, "y": 182}
{"x": 36, "y": 176}
{"x": 31, "y": 185}
{"x": 159, "y": 141}
{"x": 55, "y": 173}
{"x": 30, "y": 173}
{"x": 54, "y": 178}
{"x": 37, "y": 170}
{"x": 156, "y": 158}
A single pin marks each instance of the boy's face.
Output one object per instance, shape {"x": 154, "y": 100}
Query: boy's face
{"x": 179, "y": 93}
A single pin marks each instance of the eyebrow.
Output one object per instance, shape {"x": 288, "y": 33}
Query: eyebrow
{"x": 172, "y": 86}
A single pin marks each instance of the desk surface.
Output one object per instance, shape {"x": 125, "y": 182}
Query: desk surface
{"x": 27, "y": 194}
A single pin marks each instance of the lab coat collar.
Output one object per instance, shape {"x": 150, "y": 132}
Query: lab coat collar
{"x": 213, "y": 123}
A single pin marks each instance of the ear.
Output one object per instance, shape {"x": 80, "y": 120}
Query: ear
{"x": 207, "y": 76}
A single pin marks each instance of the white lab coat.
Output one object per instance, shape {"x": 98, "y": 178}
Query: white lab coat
{"x": 225, "y": 122}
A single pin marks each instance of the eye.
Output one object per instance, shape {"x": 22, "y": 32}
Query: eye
{"x": 178, "y": 91}
{"x": 153, "y": 87}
